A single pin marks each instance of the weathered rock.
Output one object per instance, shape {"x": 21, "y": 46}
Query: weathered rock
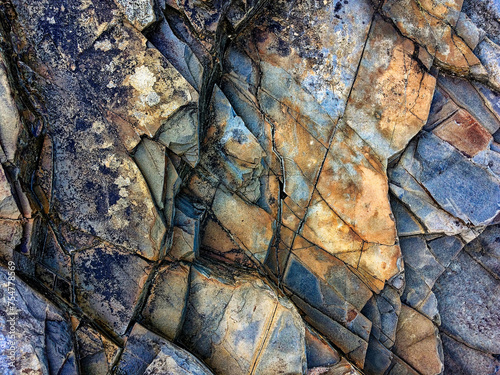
{"x": 236, "y": 216}
{"x": 460, "y": 358}
{"x": 186, "y": 236}
{"x": 485, "y": 15}
{"x": 489, "y": 54}
{"x": 177, "y": 52}
{"x": 8, "y": 205}
{"x": 139, "y": 13}
{"x": 460, "y": 200}
{"x": 341, "y": 368}
{"x": 96, "y": 352}
{"x": 472, "y": 98}
{"x": 10, "y": 123}
{"x": 147, "y": 353}
{"x": 180, "y": 134}
{"x": 468, "y": 31}
{"x": 268, "y": 336}
{"x": 463, "y": 132}
{"x": 430, "y": 25}
{"x": 319, "y": 352}
{"x": 10, "y": 236}
{"x": 36, "y": 335}
{"x": 109, "y": 282}
{"x": 383, "y": 311}
{"x": 398, "y": 110}
{"x": 166, "y": 304}
{"x": 418, "y": 343}
{"x": 468, "y": 297}
{"x": 350, "y": 344}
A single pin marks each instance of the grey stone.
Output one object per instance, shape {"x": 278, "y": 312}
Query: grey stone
{"x": 319, "y": 352}
{"x": 445, "y": 248}
{"x": 489, "y": 54}
{"x": 39, "y": 332}
{"x": 180, "y": 134}
{"x": 148, "y": 353}
{"x": 486, "y": 249}
{"x": 469, "y": 302}
{"x": 166, "y": 304}
{"x": 417, "y": 255}
{"x": 461, "y": 359}
{"x": 229, "y": 319}
{"x": 109, "y": 282}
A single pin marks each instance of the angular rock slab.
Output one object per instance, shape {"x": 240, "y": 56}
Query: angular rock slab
{"x": 41, "y": 333}
{"x": 96, "y": 353}
{"x": 166, "y": 304}
{"x": 237, "y": 324}
{"x": 237, "y": 216}
{"x": 392, "y": 94}
{"x": 418, "y": 342}
{"x": 149, "y": 354}
{"x": 109, "y": 282}
{"x": 318, "y": 44}
{"x": 459, "y": 192}
{"x": 469, "y": 300}
{"x": 430, "y": 25}
{"x": 10, "y": 123}
{"x": 139, "y": 84}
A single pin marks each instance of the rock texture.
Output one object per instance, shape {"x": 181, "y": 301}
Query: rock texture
{"x": 250, "y": 187}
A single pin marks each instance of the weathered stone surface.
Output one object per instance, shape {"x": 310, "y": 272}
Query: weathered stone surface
{"x": 109, "y": 282}
{"x": 468, "y": 297}
{"x": 166, "y": 304}
{"x": 459, "y": 199}
{"x": 485, "y": 15}
{"x": 35, "y": 332}
{"x": 430, "y": 25}
{"x": 319, "y": 352}
{"x": 218, "y": 173}
{"x": 186, "y": 235}
{"x": 96, "y": 352}
{"x": 180, "y": 134}
{"x": 139, "y": 13}
{"x": 398, "y": 110}
{"x": 147, "y": 353}
{"x": 418, "y": 343}
{"x": 265, "y": 322}
{"x": 489, "y": 54}
{"x": 10, "y": 236}
{"x": 464, "y": 133}
{"x": 461, "y": 359}
{"x": 237, "y": 216}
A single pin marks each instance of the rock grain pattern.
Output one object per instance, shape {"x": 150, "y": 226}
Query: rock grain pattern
{"x": 250, "y": 187}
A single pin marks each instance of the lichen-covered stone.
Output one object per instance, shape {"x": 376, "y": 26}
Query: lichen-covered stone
{"x": 109, "y": 282}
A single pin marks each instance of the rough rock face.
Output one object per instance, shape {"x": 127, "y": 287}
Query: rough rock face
{"x": 250, "y": 187}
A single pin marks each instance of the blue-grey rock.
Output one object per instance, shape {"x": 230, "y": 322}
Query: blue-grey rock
{"x": 148, "y": 353}
{"x": 466, "y": 95}
{"x": 36, "y": 335}
{"x": 486, "y": 249}
{"x": 109, "y": 283}
{"x": 469, "y": 303}
{"x": 177, "y": 52}
{"x": 417, "y": 255}
{"x": 319, "y": 352}
{"x": 445, "y": 248}
{"x": 461, "y": 359}
{"x": 353, "y": 346}
{"x": 406, "y": 223}
{"x": 305, "y": 284}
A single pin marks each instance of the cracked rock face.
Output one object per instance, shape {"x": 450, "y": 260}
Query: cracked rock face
{"x": 249, "y": 187}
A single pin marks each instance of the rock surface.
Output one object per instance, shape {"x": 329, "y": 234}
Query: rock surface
{"x": 250, "y": 187}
